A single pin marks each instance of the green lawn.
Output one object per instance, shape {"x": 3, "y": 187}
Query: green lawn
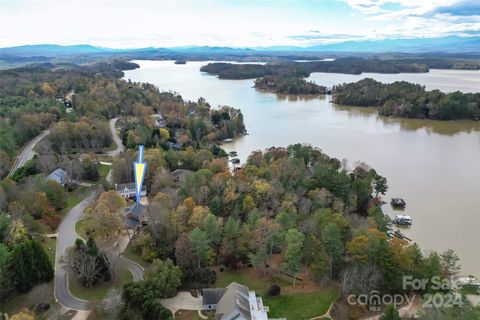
{"x": 80, "y": 229}
{"x": 257, "y": 283}
{"x": 129, "y": 254}
{"x": 99, "y": 291}
{"x": 50, "y": 244}
{"x": 76, "y": 196}
{"x": 103, "y": 171}
{"x": 301, "y": 305}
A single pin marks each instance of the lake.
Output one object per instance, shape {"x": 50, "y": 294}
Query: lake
{"x": 433, "y": 165}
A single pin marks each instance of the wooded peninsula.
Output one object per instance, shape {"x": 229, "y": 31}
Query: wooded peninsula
{"x": 341, "y": 65}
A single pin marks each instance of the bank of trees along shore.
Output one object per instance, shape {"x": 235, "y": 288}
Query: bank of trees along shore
{"x": 402, "y": 99}
{"x": 288, "y": 85}
{"x": 340, "y": 65}
{"x": 296, "y": 204}
{"x": 408, "y": 100}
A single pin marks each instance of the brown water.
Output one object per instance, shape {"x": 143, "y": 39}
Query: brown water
{"x": 433, "y": 165}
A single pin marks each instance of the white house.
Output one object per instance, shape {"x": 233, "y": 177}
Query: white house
{"x": 127, "y": 190}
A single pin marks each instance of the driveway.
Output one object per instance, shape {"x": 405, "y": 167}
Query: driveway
{"x": 27, "y": 152}
{"x": 116, "y": 138}
{"x": 66, "y": 237}
{"x": 183, "y": 300}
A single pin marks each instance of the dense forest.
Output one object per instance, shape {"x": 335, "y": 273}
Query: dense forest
{"x": 340, "y": 65}
{"x": 408, "y": 100}
{"x": 30, "y": 102}
{"x": 288, "y": 85}
{"x": 288, "y": 210}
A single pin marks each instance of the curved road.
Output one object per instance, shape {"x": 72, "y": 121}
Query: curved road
{"x": 27, "y": 152}
{"x": 66, "y": 237}
{"x": 116, "y": 138}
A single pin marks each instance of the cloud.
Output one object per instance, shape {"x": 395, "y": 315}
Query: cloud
{"x": 464, "y": 8}
{"x": 421, "y": 18}
{"x": 319, "y": 36}
{"x": 399, "y": 6}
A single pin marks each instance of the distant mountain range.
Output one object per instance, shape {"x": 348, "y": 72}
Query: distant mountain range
{"x": 419, "y": 45}
{"x": 449, "y": 44}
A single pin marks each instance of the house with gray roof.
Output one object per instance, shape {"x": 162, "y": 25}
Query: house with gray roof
{"x": 60, "y": 176}
{"x": 136, "y": 215}
{"x": 235, "y": 302}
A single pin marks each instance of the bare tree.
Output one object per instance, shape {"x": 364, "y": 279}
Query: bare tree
{"x": 84, "y": 267}
{"x": 360, "y": 279}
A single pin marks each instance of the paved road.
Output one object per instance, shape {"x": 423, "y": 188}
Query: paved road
{"x": 66, "y": 238}
{"x": 27, "y": 153}
{"x": 116, "y": 138}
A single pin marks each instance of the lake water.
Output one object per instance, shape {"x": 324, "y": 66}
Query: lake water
{"x": 433, "y": 165}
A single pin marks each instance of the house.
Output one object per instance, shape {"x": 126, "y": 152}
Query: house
{"x": 180, "y": 174}
{"x": 60, "y": 176}
{"x": 136, "y": 215}
{"x": 127, "y": 190}
{"x": 174, "y": 146}
{"x": 235, "y": 301}
{"x": 160, "y": 121}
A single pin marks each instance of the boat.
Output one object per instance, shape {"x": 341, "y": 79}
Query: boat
{"x": 403, "y": 220}
{"x": 400, "y": 235}
{"x": 233, "y": 153}
{"x": 235, "y": 160}
{"x": 398, "y": 203}
{"x": 228, "y": 140}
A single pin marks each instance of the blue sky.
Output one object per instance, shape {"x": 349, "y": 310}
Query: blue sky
{"x": 145, "y": 23}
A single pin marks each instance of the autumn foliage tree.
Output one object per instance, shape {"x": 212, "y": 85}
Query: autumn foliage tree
{"x": 104, "y": 218}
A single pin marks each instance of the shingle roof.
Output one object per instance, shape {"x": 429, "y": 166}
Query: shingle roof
{"x": 234, "y": 300}
{"x": 137, "y": 210}
{"x": 59, "y": 175}
{"x": 212, "y": 295}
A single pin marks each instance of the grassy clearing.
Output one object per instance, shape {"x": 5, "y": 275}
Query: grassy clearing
{"x": 80, "y": 229}
{"x": 129, "y": 254}
{"x": 75, "y": 197}
{"x": 257, "y": 283}
{"x": 300, "y": 305}
{"x": 103, "y": 171}
{"x": 100, "y": 291}
{"x": 50, "y": 244}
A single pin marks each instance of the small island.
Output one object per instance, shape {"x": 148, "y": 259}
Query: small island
{"x": 408, "y": 100}
{"x": 289, "y": 85}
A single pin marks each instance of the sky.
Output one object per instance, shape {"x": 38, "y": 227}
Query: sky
{"x": 149, "y": 23}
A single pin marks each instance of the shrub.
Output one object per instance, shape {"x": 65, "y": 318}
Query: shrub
{"x": 274, "y": 290}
